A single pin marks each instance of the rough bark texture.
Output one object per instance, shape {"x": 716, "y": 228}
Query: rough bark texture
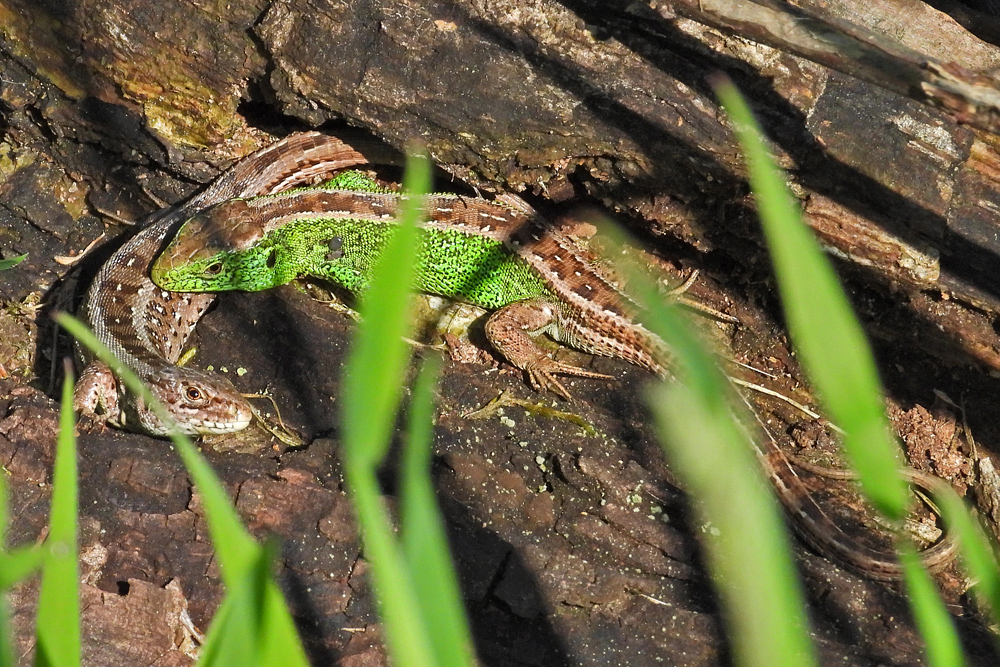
{"x": 560, "y": 537}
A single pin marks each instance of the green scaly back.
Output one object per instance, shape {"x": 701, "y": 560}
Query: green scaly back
{"x": 449, "y": 263}
{"x": 352, "y": 179}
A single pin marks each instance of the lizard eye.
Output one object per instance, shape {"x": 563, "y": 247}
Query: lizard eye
{"x": 214, "y": 269}
{"x": 193, "y": 393}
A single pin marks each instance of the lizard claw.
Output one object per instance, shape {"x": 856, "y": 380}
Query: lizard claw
{"x": 91, "y": 423}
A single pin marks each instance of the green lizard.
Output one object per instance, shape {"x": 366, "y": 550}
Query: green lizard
{"x": 498, "y": 255}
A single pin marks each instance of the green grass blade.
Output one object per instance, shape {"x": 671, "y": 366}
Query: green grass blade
{"x": 11, "y": 262}
{"x": 255, "y": 606}
{"x": 280, "y": 644}
{"x": 19, "y": 563}
{"x": 407, "y": 635}
{"x": 828, "y": 339}
{"x": 379, "y": 355}
{"x": 223, "y": 641}
{"x": 15, "y": 564}
{"x": 423, "y": 533}
{"x": 4, "y": 509}
{"x": 6, "y": 648}
{"x": 374, "y": 377}
{"x": 932, "y": 619}
{"x": 235, "y": 548}
{"x": 749, "y": 557}
{"x": 58, "y": 623}
{"x": 839, "y": 363}
{"x": 238, "y": 554}
{"x": 6, "y": 643}
{"x": 974, "y": 549}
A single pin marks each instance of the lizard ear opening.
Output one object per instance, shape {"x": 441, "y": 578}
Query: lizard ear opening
{"x": 272, "y": 258}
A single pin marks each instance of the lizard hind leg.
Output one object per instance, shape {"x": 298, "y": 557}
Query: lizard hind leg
{"x": 510, "y": 331}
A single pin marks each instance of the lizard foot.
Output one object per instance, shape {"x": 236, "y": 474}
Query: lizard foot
{"x": 95, "y": 398}
{"x": 91, "y": 423}
{"x": 541, "y": 375}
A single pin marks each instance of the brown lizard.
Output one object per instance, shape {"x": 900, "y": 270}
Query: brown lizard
{"x": 146, "y": 327}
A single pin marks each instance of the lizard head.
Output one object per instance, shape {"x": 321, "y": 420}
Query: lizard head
{"x": 209, "y": 235}
{"x": 225, "y": 248}
{"x": 199, "y": 403}
{"x": 263, "y": 266}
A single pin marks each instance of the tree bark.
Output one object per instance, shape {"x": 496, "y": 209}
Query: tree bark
{"x": 881, "y": 113}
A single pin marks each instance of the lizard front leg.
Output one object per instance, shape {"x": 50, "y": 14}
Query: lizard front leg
{"x": 95, "y": 396}
{"x": 510, "y": 330}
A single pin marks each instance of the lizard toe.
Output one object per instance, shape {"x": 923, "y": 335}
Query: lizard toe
{"x": 542, "y": 380}
{"x": 90, "y": 422}
{"x": 541, "y": 374}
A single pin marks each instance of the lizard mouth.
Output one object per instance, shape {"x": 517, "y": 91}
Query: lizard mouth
{"x": 205, "y": 427}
